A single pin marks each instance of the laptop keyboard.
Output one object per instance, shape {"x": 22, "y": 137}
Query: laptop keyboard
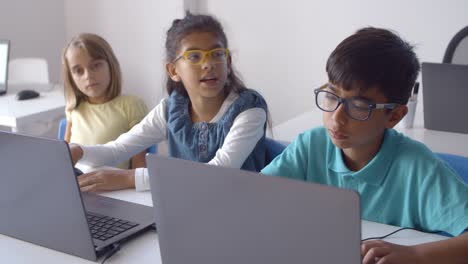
{"x": 105, "y": 227}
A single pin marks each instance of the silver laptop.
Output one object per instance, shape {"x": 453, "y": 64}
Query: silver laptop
{"x": 40, "y": 201}
{"x": 445, "y": 92}
{"x": 4, "y": 55}
{"x": 209, "y": 215}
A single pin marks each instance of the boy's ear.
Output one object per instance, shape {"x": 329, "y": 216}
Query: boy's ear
{"x": 172, "y": 72}
{"x": 396, "y": 115}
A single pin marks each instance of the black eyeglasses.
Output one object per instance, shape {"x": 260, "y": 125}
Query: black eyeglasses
{"x": 357, "y": 108}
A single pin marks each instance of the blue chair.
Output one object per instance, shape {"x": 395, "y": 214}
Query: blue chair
{"x": 153, "y": 149}
{"x": 273, "y": 149}
{"x": 63, "y": 126}
{"x": 458, "y": 163}
{"x": 61, "y": 129}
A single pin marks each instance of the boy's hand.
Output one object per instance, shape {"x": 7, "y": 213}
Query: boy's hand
{"x": 107, "y": 180}
{"x": 381, "y": 252}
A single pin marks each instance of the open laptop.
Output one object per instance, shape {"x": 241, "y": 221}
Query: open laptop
{"x": 445, "y": 92}
{"x": 4, "y": 55}
{"x": 40, "y": 201}
{"x": 209, "y": 215}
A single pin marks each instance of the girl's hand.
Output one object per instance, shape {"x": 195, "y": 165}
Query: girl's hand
{"x": 107, "y": 180}
{"x": 138, "y": 161}
{"x": 381, "y": 252}
{"x": 76, "y": 152}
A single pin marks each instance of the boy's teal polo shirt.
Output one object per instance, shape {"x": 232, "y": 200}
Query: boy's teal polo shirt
{"x": 405, "y": 184}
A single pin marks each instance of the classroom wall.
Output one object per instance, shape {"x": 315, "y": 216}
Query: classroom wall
{"x": 35, "y": 29}
{"x": 281, "y": 47}
{"x": 136, "y": 31}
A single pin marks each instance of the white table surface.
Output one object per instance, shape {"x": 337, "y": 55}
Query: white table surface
{"x": 47, "y": 107}
{"x": 145, "y": 248}
{"x": 437, "y": 141}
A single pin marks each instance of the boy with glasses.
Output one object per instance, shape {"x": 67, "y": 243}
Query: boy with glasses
{"x": 400, "y": 181}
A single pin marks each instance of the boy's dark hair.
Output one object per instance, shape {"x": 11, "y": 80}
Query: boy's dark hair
{"x": 374, "y": 57}
{"x": 190, "y": 24}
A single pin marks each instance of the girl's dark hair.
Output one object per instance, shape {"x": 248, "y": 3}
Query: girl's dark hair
{"x": 201, "y": 24}
{"x": 374, "y": 57}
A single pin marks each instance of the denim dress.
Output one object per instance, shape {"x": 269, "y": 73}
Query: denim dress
{"x": 200, "y": 141}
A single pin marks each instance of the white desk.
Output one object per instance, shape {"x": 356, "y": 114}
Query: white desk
{"x": 145, "y": 248}
{"x": 437, "y": 141}
{"x": 18, "y": 114}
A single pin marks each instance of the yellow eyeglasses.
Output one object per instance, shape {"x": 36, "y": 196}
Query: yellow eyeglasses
{"x": 197, "y": 57}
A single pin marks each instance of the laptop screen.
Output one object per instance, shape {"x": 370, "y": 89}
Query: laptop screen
{"x": 445, "y": 88}
{"x": 4, "y": 51}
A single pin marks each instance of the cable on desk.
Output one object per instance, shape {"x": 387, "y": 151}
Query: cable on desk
{"x": 115, "y": 248}
{"x": 396, "y": 231}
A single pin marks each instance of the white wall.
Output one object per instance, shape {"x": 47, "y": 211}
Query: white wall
{"x": 35, "y": 29}
{"x": 281, "y": 47}
{"x": 136, "y": 31}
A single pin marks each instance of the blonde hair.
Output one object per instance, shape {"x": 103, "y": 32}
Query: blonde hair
{"x": 97, "y": 48}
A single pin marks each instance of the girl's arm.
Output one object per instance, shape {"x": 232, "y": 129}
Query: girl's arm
{"x": 151, "y": 130}
{"x": 246, "y": 130}
{"x": 67, "y": 136}
{"x": 244, "y": 134}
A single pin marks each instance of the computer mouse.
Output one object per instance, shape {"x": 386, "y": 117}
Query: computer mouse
{"x": 26, "y": 94}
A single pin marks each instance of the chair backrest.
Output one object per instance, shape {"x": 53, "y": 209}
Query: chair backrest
{"x": 273, "y": 149}
{"x": 61, "y": 129}
{"x": 457, "y": 50}
{"x": 458, "y": 163}
{"x": 28, "y": 70}
{"x": 63, "y": 126}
